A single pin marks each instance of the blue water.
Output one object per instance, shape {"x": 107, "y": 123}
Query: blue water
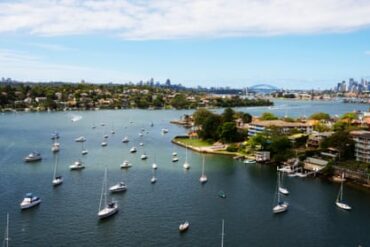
{"x": 150, "y": 214}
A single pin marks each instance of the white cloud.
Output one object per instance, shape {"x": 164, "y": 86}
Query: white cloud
{"x": 168, "y": 19}
{"x": 28, "y": 67}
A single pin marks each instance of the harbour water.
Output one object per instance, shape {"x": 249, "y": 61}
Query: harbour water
{"x": 150, "y": 214}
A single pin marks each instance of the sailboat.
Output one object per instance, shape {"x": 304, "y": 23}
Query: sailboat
{"x": 153, "y": 179}
{"x": 222, "y": 234}
{"x": 144, "y": 156}
{"x": 339, "y": 202}
{"x": 57, "y": 180}
{"x": 281, "y": 205}
{"x": 125, "y": 140}
{"x": 110, "y": 208}
{"x": 203, "y": 179}
{"x": 55, "y": 147}
{"x": 104, "y": 143}
{"x": 174, "y": 151}
{"x": 84, "y": 150}
{"x": 282, "y": 190}
{"x": 6, "y": 238}
{"x": 186, "y": 164}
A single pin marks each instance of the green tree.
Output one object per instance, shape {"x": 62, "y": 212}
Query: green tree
{"x": 246, "y": 117}
{"x": 201, "y": 115}
{"x": 228, "y": 115}
{"x": 343, "y": 142}
{"x": 209, "y": 127}
{"x": 268, "y": 116}
{"x": 320, "y": 116}
{"x": 258, "y": 141}
{"x": 228, "y": 132}
{"x": 179, "y": 102}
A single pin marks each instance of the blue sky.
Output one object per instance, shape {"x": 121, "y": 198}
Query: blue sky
{"x": 290, "y": 44}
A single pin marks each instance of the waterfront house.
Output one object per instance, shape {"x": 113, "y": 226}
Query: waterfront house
{"x": 314, "y": 164}
{"x": 285, "y": 127}
{"x": 362, "y": 145}
{"x": 262, "y": 156}
{"x": 315, "y": 139}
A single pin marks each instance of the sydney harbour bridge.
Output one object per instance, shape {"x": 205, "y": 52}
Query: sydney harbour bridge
{"x": 262, "y": 88}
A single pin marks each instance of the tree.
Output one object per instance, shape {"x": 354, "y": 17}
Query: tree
{"x": 258, "y": 141}
{"x": 343, "y": 142}
{"x": 228, "y": 132}
{"x": 228, "y": 115}
{"x": 268, "y": 116}
{"x": 200, "y": 116}
{"x": 320, "y": 116}
{"x": 210, "y": 127}
{"x": 179, "y": 101}
{"x": 349, "y": 116}
{"x": 246, "y": 117}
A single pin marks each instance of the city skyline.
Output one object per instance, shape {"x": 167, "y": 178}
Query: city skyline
{"x": 290, "y": 44}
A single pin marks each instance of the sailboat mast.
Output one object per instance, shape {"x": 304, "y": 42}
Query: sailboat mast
{"x": 203, "y": 167}
{"x": 102, "y": 190}
{"x": 222, "y": 234}
{"x": 6, "y": 239}
{"x": 186, "y": 153}
{"x": 278, "y": 186}
{"x": 105, "y": 187}
{"x": 55, "y": 165}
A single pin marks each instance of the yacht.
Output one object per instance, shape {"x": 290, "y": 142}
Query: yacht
{"x": 186, "y": 164}
{"x": 110, "y": 208}
{"x": 281, "y": 206}
{"x": 184, "y": 226}
{"x": 34, "y": 156}
{"x": 55, "y": 136}
{"x": 119, "y": 187}
{"x": 203, "y": 178}
{"x": 78, "y": 165}
{"x": 80, "y": 139}
{"x": 339, "y": 202}
{"x": 55, "y": 147}
{"x": 125, "y": 139}
{"x": 133, "y": 150}
{"x": 144, "y": 156}
{"x": 30, "y": 201}
{"x": 57, "y": 180}
{"x": 126, "y": 164}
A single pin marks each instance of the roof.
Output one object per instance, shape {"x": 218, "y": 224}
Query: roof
{"x": 361, "y": 133}
{"x": 316, "y": 161}
{"x": 280, "y": 123}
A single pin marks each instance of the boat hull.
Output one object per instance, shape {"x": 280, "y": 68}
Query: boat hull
{"x": 107, "y": 212}
{"x": 342, "y": 205}
{"x": 280, "y": 208}
{"x": 29, "y": 205}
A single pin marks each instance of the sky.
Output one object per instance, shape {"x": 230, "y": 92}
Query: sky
{"x": 295, "y": 44}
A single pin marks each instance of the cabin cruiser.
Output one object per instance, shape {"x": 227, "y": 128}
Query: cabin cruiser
{"x": 78, "y": 165}
{"x": 133, "y": 150}
{"x": 34, "y": 156}
{"x": 121, "y": 186}
{"x": 126, "y": 164}
{"x": 80, "y": 139}
{"x": 30, "y": 201}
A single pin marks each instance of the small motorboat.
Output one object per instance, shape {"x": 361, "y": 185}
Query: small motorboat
{"x": 104, "y": 144}
{"x": 175, "y": 159}
{"x": 84, "y": 152}
{"x": 112, "y": 132}
{"x": 153, "y": 180}
{"x": 32, "y": 157}
{"x": 184, "y": 227}
{"x": 133, "y": 150}
{"x": 164, "y": 131}
{"x": 125, "y": 140}
{"x": 222, "y": 194}
{"x": 55, "y": 136}
{"x": 141, "y": 144}
{"x": 78, "y": 165}
{"x": 174, "y": 154}
{"x": 141, "y": 134}
{"x": 80, "y": 139}
{"x": 30, "y": 201}
{"x": 106, "y": 136}
{"x": 154, "y": 166}
{"x": 125, "y": 164}
{"x": 120, "y": 187}
{"x": 249, "y": 162}
{"x": 144, "y": 157}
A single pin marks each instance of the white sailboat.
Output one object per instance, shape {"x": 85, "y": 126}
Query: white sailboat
{"x": 154, "y": 165}
{"x": 55, "y": 147}
{"x": 203, "y": 179}
{"x": 125, "y": 140}
{"x": 153, "y": 179}
{"x": 84, "y": 151}
{"x": 125, "y": 164}
{"x": 281, "y": 205}
{"x": 282, "y": 189}
{"x": 184, "y": 226}
{"x": 186, "y": 163}
{"x": 57, "y": 180}
{"x": 339, "y": 202}
{"x": 144, "y": 156}
{"x": 6, "y": 238}
{"x": 133, "y": 150}
{"x": 110, "y": 208}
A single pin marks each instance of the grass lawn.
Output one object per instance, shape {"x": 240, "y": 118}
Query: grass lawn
{"x": 193, "y": 142}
